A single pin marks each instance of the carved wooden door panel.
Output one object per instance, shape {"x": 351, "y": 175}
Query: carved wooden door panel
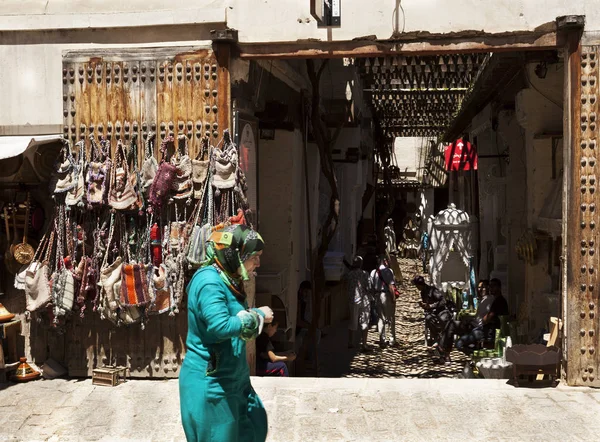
{"x": 583, "y": 259}
{"x": 116, "y": 94}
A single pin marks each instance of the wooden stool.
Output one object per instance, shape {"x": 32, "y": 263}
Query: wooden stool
{"x": 8, "y": 334}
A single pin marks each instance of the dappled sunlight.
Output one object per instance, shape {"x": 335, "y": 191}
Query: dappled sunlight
{"x": 409, "y": 359}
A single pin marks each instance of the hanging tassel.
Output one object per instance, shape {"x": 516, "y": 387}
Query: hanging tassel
{"x": 244, "y": 272}
{"x": 217, "y": 193}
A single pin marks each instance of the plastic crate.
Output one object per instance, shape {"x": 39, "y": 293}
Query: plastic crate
{"x": 109, "y": 376}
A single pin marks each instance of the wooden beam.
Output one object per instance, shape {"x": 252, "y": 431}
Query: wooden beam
{"x": 470, "y": 42}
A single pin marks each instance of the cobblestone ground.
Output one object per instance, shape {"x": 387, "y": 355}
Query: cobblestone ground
{"x": 309, "y": 409}
{"x": 410, "y": 359}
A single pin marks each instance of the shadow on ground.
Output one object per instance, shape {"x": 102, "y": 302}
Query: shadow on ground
{"x": 409, "y": 359}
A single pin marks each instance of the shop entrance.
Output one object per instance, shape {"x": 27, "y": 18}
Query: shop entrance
{"x": 413, "y": 88}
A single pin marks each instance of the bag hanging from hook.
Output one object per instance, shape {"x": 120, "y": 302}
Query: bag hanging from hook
{"x": 98, "y": 173}
{"x": 65, "y": 177}
{"x": 160, "y": 188}
{"x": 182, "y": 185}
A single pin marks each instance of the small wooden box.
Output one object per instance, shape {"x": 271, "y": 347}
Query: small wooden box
{"x": 109, "y": 375}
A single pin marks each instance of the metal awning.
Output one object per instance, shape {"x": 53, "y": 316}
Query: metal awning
{"x": 14, "y": 146}
{"x": 418, "y": 96}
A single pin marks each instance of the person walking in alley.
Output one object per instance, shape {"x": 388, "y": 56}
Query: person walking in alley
{"x": 382, "y": 285}
{"x": 217, "y": 400}
{"x": 360, "y": 303}
{"x": 389, "y": 233}
{"x": 437, "y": 314}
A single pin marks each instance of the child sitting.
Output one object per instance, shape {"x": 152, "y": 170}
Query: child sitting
{"x": 267, "y": 362}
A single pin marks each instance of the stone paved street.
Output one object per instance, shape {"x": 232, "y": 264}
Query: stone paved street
{"x": 389, "y": 394}
{"x": 410, "y": 359}
{"x": 309, "y": 409}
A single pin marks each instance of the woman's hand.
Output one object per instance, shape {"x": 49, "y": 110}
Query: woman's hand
{"x": 268, "y": 313}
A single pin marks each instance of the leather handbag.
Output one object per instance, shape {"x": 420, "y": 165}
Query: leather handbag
{"x": 160, "y": 188}
{"x": 98, "y": 174}
{"x": 182, "y": 185}
{"x": 74, "y": 196}
{"x": 122, "y": 194}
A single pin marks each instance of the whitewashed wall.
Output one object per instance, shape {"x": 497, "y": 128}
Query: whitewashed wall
{"x": 290, "y": 20}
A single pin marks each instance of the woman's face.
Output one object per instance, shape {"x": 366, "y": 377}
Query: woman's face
{"x": 253, "y": 262}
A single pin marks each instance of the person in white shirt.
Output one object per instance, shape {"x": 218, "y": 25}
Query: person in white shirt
{"x": 359, "y": 303}
{"x": 382, "y": 286}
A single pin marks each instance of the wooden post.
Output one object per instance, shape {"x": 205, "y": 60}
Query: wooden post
{"x": 222, "y": 41}
{"x": 581, "y": 231}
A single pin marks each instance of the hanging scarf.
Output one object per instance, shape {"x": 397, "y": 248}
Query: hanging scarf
{"x": 226, "y": 251}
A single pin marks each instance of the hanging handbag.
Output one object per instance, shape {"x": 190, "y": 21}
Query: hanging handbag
{"x": 225, "y": 165}
{"x": 74, "y": 196}
{"x": 159, "y": 190}
{"x": 182, "y": 185}
{"x": 122, "y": 194}
{"x": 65, "y": 176}
{"x": 196, "y": 248}
{"x": 62, "y": 280}
{"x": 98, "y": 174}
{"x": 150, "y": 165}
{"x": 200, "y": 170}
{"x": 162, "y": 302}
{"x": 37, "y": 279}
{"x": 134, "y": 279}
{"x": 109, "y": 276}
{"x": 175, "y": 270}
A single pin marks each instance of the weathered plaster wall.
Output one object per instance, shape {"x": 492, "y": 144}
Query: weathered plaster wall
{"x": 290, "y": 20}
{"x": 511, "y": 136}
{"x": 539, "y": 112}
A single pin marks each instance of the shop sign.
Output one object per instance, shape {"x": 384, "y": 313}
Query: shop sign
{"x": 461, "y": 155}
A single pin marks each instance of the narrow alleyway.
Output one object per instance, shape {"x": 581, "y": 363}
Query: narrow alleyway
{"x": 410, "y": 359}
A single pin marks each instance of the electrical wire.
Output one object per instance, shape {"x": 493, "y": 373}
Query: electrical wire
{"x": 394, "y": 12}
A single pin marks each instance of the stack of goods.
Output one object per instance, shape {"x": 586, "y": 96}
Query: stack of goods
{"x": 126, "y": 230}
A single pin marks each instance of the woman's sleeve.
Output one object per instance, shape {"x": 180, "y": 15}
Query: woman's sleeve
{"x": 212, "y": 304}
{"x": 247, "y": 324}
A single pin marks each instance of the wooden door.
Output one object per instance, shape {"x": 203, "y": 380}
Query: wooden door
{"x": 116, "y": 94}
{"x": 583, "y": 222}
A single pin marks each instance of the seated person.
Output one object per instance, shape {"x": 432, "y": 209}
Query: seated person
{"x": 489, "y": 311}
{"x": 469, "y": 328}
{"x": 433, "y": 302}
{"x": 499, "y": 308}
{"x": 268, "y": 363}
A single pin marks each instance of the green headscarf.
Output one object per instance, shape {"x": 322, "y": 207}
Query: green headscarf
{"x": 228, "y": 248}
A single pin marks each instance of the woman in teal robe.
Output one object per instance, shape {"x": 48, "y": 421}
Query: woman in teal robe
{"x": 217, "y": 400}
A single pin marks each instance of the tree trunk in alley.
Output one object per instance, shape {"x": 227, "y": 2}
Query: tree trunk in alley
{"x": 325, "y": 142}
